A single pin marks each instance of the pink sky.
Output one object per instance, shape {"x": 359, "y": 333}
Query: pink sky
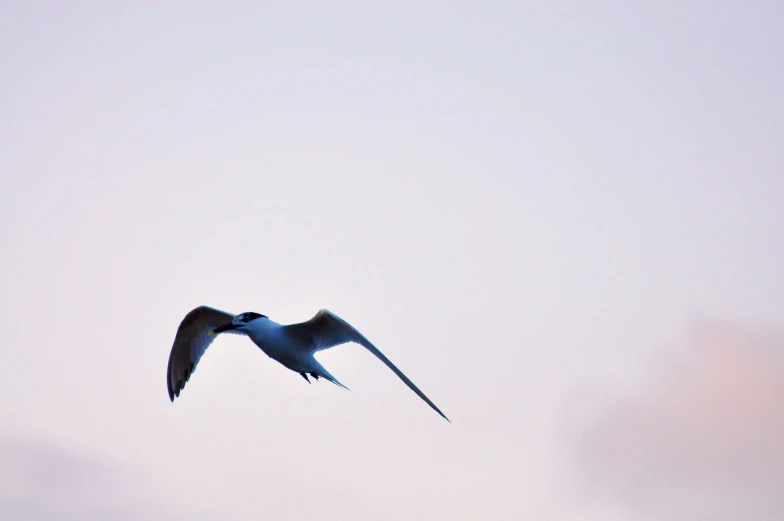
{"x": 511, "y": 200}
{"x": 706, "y": 441}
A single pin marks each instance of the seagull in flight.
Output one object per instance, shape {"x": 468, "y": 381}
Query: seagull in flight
{"x": 292, "y": 345}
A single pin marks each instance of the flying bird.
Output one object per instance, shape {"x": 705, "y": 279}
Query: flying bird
{"x": 291, "y": 345}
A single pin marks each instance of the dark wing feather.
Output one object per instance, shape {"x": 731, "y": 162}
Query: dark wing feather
{"x": 327, "y": 330}
{"x": 190, "y": 344}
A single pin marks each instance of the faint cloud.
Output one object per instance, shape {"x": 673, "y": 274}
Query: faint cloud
{"x": 705, "y": 442}
{"x": 40, "y": 481}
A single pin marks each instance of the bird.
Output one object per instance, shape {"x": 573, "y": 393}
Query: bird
{"x": 292, "y": 345}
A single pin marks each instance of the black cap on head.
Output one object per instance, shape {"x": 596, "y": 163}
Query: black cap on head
{"x": 248, "y": 316}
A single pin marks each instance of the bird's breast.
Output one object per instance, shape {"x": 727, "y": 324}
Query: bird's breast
{"x": 271, "y": 341}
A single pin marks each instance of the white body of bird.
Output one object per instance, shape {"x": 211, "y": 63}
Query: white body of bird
{"x": 292, "y": 345}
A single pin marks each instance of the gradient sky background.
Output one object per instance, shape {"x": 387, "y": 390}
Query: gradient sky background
{"x": 565, "y": 222}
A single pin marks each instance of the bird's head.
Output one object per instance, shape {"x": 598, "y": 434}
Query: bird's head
{"x": 239, "y": 322}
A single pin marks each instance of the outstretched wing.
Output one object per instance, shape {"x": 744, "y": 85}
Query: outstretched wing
{"x": 190, "y": 344}
{"x": 327, "y": 330}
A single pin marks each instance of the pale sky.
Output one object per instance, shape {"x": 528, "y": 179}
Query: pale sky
{"x": 528, "y": 207}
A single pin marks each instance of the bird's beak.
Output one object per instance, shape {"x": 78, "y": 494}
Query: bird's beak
{"x": 221, "y": 329}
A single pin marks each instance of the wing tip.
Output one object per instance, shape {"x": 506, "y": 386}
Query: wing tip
{"x": 433, "y": 406}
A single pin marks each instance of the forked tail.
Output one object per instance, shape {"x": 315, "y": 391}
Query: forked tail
{"x": 323, "y": 373}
